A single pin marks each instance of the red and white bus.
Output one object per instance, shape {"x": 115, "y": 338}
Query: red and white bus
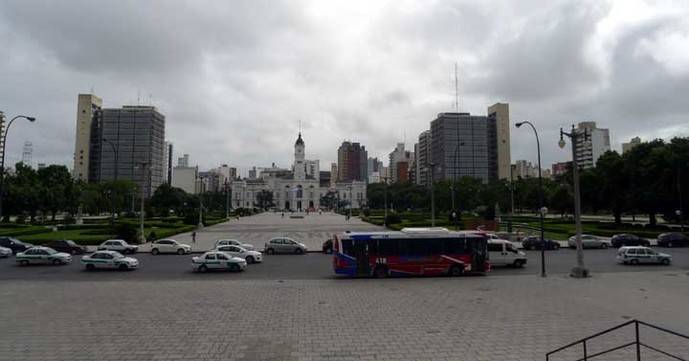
{"x": 412, "y": 251}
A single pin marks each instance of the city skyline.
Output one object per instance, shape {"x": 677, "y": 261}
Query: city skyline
{"x": 245, "y": 85}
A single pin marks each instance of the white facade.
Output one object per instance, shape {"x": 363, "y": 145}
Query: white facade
{"x": 296, "y": 190}
{"x": 591, "y": 147}
{"x": 185, "y": 178}
{"x": 87, "y": 105}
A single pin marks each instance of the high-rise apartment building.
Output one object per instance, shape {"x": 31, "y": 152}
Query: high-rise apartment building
{"x": 183, "y": 161}
{"x": 87, "y": 106}
{"x": 593, "y": 145}
{"x": 352, "y": 162}
{"x": 423, "y": 156}
{"x": 185, "y": 178}
{"x": 167, "y": 158}
{"x": 464, "y": 145}
{"x": 500, "y": 112}
{"x": 400, "y": 158}
{"x": 333, "y": 174}
{"x": 626, "y": 147}
{"x": 128, "y": 143}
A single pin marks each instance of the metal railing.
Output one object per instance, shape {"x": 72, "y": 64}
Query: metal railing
{"x": 637, "y": 342}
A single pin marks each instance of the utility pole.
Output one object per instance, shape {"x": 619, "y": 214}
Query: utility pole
{"x": 432, "y": 165}
{"x": 200, "y": 225}
{"x": 227, "y": 199}
{"x": 580, "y": 271}
{"x": 142, "y": 236}
{"x": 385, "y": 220}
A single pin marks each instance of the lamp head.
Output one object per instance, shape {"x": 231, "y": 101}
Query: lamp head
{"x": 561, "y": 143}
{"x": 31, "y": 119}
{"x": 519, "y": 124}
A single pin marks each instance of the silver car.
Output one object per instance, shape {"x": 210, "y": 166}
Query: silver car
{"x": 284, "y": 245}
{"x": 45, "y": 255}
{"x": 5, "y": 252}
{"x": 589, "y": 241}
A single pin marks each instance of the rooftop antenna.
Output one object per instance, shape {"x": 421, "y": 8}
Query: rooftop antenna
{"x": 138, "y": 97}
{"x": 150, "y": 99}
{"x": 456, "y": 90}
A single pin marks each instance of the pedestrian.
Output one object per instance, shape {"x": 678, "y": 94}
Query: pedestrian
{"x": 283, "y": 214}
{"x": 193, "y": 237}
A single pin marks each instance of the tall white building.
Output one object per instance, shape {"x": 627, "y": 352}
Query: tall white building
{"x": 87, "y": 106}
{"x": 501, "y": 113}
{"x": 185, "y": 178}
{"x": 593, "y": 145}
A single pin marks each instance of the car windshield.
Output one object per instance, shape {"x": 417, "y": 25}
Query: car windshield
{"x": 117, "y": 255}
{"x": 50, "y": 250}
{"x": 71, "y": 243}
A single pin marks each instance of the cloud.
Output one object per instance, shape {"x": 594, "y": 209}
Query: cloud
{"x": 234, "y": 79}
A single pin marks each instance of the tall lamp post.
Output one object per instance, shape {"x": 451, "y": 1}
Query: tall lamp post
{"x": 4, "y": 143}
{"x": 115, "y": 150}
{"x": 227, "y": 199}
{"x": 385, "y": 197}
{"x": 142, "y": 236}
{"x": 542, "y": 209}
{"x": 351, "y": 203}
{"x": 580, "y": 270}
{"x": 432, "y": 167}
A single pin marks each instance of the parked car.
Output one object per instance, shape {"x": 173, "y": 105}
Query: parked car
{"x": 5, "y": 252}
{"x": 328, "y": 246}
{"x": 284, "y": 245}
{"x": 169, "y": 246}
{"x": 534, "y": 242}
{"x": 673, "y": 239}
{"x": 503, "y": 253}
{"x": 236, "y": 251}
{"x": 109, "y": 260}
{"x": 118, "y": 245}
{"x": 66, "y": 246}
{"x": 638, "y": 255}
{"x": 43, "y": 255}
{"x": 215, "y": 260}
{"x": 626, "y": 239}
{"x": 14, "y": 244}
{"x": 234, "y": 242}
{"x": 589, "y": 241}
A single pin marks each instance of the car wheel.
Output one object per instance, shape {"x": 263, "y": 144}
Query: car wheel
{"x": 234, "y": 268}
{"x": 518, "y": 263}
{"x": 203, "y": 268}
{"x": 270, "y": 251}
{"x": 298, "y": 251}
{"x": 155, "y": 251}
{"x": 647, "y": 244}
{"x": 665, "y": 262}
{"x": 456, "y": 270}
{"x": 73, "y": 252}
{"x": 380, "y": 272}
{"x": 669, "y": 244}
{"x": 90, "y": 267}
{"x": 556, "y": 246}
{"x": 123, "y": 267}
{"x": 604, "y": 245}
{"x": 634, "y": 262}
{"x": 180, "y": 251}
{"x": 57, "y": 262}
{"x": 24, "y": 262}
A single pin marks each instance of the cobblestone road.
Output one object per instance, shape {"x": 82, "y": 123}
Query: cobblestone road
{"x": 471, "y": 318}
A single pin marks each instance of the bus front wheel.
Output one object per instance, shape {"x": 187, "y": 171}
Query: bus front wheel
{"x": 456, "y": 270}
{"x": 380, "y": 272}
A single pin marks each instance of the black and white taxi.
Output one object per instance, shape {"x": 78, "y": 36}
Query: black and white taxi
{"x": 109, "y": 260}
{"x": 236, "y": 251}
{"x": 118, "y": 245}
{"x": 215, "y": 260}
{"x": 43, "y": 255}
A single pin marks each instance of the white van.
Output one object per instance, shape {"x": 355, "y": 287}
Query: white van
{"x": 502, "y": 252}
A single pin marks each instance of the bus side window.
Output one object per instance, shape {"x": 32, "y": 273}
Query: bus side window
{"x": 347, "y": 246}
{"x": 387, "y": 247}
{"x": 436, "y": 246}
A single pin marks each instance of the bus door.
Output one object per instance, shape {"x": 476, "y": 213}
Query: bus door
{"x": 478, "y": 246}
{"x": 360, "y": 252}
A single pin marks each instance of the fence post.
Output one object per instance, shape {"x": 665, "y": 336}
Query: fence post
{"x": 586, "y": 356}
{"x": 638, "y": 347}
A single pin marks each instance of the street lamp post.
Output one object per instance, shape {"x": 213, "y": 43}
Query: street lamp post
{"x": 432, "y": 166}
{"x": 385, "y": 199}
{"x": 4, "y": 143}
{"x": 115, "y": 150}
{"x": 540, "y": 195}
{"x": 227, "y": 199}
{"x": 142, "y": 236}
{"x": 580, "y": 271}
{"x": 351, "y": 203}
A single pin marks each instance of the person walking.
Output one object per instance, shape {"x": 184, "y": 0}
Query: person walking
{"x": 193, "y": 237}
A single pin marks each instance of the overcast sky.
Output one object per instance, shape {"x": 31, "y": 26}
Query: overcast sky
{"x": 234, "y": 78}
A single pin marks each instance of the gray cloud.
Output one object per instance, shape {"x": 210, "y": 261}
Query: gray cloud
{"x": 234, "y": 79}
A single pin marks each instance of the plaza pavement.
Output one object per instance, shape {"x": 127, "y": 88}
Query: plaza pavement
{"x": 468, "y": 318}
{"x": 312, "y": 230}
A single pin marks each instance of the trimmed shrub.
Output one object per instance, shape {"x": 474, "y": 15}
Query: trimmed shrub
{"x": 127, "y": 232}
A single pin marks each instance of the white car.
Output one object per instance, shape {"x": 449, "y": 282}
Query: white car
{"x": 215, "y": 260}
{"x": 236, "y": 251}
{"x": 5, "y": 252}
{"x": 233, "y": 242}
{"x": 109, "y": 260}
{"x": 118, "y": 245}
{"x": 589, "y": 241}
{"x": 44, "y": 255}
{"x": 638, "y": 254}
{"x": 504, "y": 253}
{"x": 169, "y": 246}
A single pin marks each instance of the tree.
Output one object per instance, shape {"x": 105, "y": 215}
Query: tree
{"x": 264, "y": 198}
{"x": 23, "y": 192}
{"x": 54, "y": 185}
{"x": 166, "y": 198}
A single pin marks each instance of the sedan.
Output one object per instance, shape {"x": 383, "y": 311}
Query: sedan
{"x": 14, "y": 244}
{"x": 534, "y": 242}
{"x": 589, "y": 241}
{"x": 236, "y": 251}
{"x": 109, "y": 260}
{"x": 66, "y": 246}
{"x": 637, "y": 255}
{"x": 673, "y": 239}
{"x": 233, "y": 242}
{"x": 625, "y": 239}
{"x": 5, "y": 252}
{"x": 118, "y": 245}
{"x": 215, "y": 260}
{"x": 169, "y": 246}
{"x": 284, "y": 245}
{"x": 43, "y": 255}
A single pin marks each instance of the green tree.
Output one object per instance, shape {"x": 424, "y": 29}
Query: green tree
{"x": 55, "y": 183}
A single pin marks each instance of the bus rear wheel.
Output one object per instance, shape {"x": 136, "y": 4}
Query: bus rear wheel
{"x": 380, "y": 272}
{"x": 456, "y": 271}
